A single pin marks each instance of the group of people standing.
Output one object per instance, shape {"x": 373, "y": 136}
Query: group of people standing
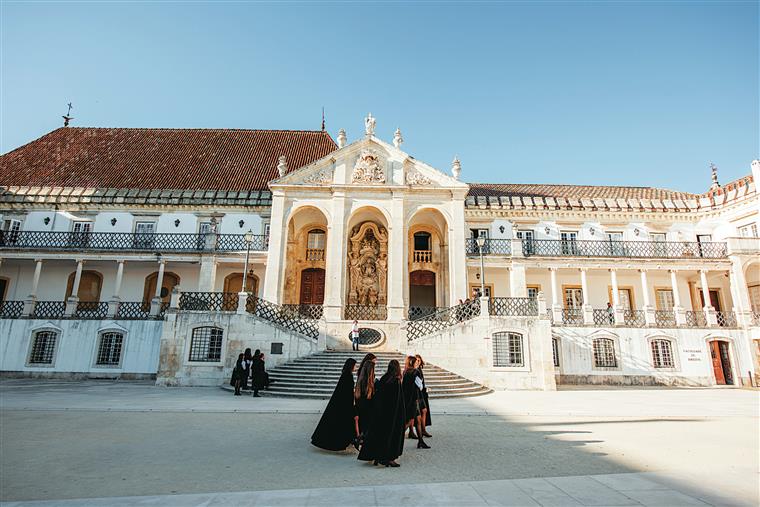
{"x": 375, "y": 414}
{"x": 250, "y": 366}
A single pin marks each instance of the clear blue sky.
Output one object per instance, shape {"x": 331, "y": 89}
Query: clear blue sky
{"x": 551, "y": 92}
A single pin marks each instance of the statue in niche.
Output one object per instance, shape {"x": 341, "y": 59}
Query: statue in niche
{"x": 367, "y": 265}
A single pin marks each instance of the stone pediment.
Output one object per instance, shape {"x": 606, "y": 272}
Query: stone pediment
{"x": 369, "y": 162}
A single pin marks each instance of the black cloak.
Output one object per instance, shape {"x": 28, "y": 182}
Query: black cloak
{"x": 259, "y": 374}
{"x": 411, "y": 393}
{"x": 385, "y": 437}
{"x": 336, "y": 429}
{"x": 425, "y": 398}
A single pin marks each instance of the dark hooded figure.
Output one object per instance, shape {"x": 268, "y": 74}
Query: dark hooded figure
{"x": 258, "y": 373}
{"x": 364, "y": 392}
{"x": 237, "y": 375}
{"x": 337, "y": 427}
{"x": 384, "y": 441}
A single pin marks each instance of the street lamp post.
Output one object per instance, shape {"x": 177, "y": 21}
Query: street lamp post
{"x": 248, "y": 237}
{"x": 481, "y": 241}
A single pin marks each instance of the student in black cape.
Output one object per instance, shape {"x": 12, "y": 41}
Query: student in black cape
{"x": 258, "y": 373}
{"x": 411, "y": 387}
{"x": 238, "y": 373}
{"x": 425, "y": 419}
{"x": 337, "y": 427}
{"x": 364, "y": 392}
{"x": 247, "y": 361}
{"x": 385, "y": 436}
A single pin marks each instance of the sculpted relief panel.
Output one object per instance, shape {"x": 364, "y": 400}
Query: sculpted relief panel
{"x": 368, "y": 168}
{"x": 368, "y": 265}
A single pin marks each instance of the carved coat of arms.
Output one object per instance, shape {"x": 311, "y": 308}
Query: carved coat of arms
{"x": 368, "y": 168}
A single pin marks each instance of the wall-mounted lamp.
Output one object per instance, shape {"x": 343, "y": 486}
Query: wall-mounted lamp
{"x": 241, "y": 223}
{"x": 46, "y": 220}
{"x": 176, "y": 223}
{"x": 591, "y": 231}
{"x": 636, "y": 231}
{"x": 113, "y": 222}
{"x": 477, "y": 276}
{"x": 501, "y": 229}
{"x": 546, "y": 230}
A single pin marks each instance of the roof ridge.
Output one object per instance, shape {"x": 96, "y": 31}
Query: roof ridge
{"x": 588, "y": 186}
{"x": 207, "y": 129}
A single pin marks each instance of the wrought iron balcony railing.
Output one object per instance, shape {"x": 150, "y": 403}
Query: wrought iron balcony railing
{"x": 726, "y": 319}
{"x": 632, "y": 249}
{"x": 665, "y": 318}
{"x": 513, "y": 307}
{"x": 572, "y": 316}
{"x": 49, "y": 310}
{"x": 11, "y": 309}
{"x": 365, "y": 312}
{"x": 447, "y": 317}
{"x": 125, "y": 241}
{"x": 490, "y": 247}
{"x": 634, "y": 318}
{"x": 416, "y": 312}
{"x": 91, "y": 310}
{"x": 695, "y": 319}
{"x": 603, "y": 317}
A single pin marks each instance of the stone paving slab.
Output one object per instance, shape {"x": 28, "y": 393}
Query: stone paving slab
{"x": 618, "y": 489}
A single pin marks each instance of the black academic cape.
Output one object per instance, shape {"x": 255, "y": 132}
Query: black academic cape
{"x": 425, "y": 398}
{"x": 336, "y": 429}
{"x": 411, "y": 393}
{"x": 385, "y": 437}
{"x": 259, "y": 374}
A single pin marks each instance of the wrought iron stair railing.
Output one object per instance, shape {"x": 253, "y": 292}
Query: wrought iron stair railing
{"x": 442, "y": 319}
{"x": 513, "y": 307}
{"x": 208, "y": 301}
{"x": 305, "y": 323}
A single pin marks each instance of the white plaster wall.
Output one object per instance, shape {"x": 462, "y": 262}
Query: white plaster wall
{"x": 77, "y": 346}
{"x": 124, "y": 222}
{"x": 188, "y": 223}
{"x": 230, "y": 224}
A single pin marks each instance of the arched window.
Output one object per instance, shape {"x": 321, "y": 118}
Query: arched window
{"x": 422, "y": 241}
{"x": 508, "y": 350}
{"x": 604, "y": 353}
{"x": 43, "y": 347}
{"x": 315, "y": 245}
{"x": 89, "y": 286}
{"x": 110, "y": 346}
{"x": 662, "y": 353}
{"x": 206, "y": 345}
{"x": 169, "y": 281}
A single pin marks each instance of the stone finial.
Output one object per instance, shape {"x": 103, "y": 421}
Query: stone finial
{"x": 714, "y": 176}
{"x": 456, "y": 167}
{"x": 756, "y": 171}
{"x": 369, "y": 125}
{"x": 282, "y": 165}
{"x": 397, "y": 138}
{"x": 341, "y": 138}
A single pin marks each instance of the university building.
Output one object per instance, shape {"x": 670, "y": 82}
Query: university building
{"x": 163, "y": 253}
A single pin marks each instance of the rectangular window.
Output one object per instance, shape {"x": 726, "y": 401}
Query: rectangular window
{"x": 662, "y": 354}
{"x": 144, "y": 235}
{"x": 664, "y": 299}
{"x": 604, "y": 353}
{"x": 660, "y": 248}
{"x": 109, "y": 349}
{"x": 475, "y": 291}
{"x": 80, "y": 234}
{"x": 533, "y": 291}
{"x": 569, "y": 243}
{"x": 754, "y": 297}
{"x": 206, "y": 345}
{"x": 43, "y": 347}
{"x": 527, "y": 239}
{"x": 266, "y": 234}
{"x": 555, "y": 352}
{"x": 508, "y": 350}
{"x": 573, "y": 297}
{"x": 9, "y": 231}
{"x": 748, "y": 231}
{"x": 616, "y": 245}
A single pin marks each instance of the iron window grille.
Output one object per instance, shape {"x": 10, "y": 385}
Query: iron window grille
{"x": 604, "y": 353}
{"x": 662, "y": 354}
{"x": 43, "y": 347}
{"x": 555, "y": 352}
{"x": 109, "y": 349}
{"x": 206, "y": 345}
{"x": 508, "y": 350}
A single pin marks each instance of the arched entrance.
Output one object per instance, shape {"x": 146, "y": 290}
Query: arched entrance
{"x": 234, "y": 283}
{"x": 422, "y": 289}
{"x": 89, "y": 286}
{"x": 167, "y": 286}
{"x": 312, "y": 286}
{"x": 721, "y": 362}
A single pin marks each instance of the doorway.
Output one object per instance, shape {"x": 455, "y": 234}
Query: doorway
{"x": 714, "y": 299}
{"x": 312, "y": 286}
{"x": 422, "y": 289}
{"x": 721, "y": 361}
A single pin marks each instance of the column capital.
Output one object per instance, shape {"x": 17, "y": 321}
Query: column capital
{"x": 553, "y": 268}
{"x": 672, "y": 270}
{"x": 583, "y": 270}
{"x": 703, "y": 271}
{"x": 612, "y": 270}
{"x": 79, "y": 261}
{"x": 121, "y": 261}
{"x": 643, "y": 270}
{"x": 38, "y": 260}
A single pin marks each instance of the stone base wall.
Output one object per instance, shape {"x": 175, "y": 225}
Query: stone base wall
{"x": 633, "y": 380}
{"x": 63, "y": 375}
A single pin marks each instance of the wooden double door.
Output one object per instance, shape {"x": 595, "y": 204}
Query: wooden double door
{"x": 721, "y": 361}
{"x": 312, "y": 286}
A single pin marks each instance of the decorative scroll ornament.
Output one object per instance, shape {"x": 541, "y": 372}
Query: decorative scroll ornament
{"x": 320, "y": 177}
{"x": 414, "y": 177}
{"x": 368, "y": 168}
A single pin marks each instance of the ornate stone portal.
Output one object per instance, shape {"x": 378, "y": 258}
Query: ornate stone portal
{"x": 368, "y": 265}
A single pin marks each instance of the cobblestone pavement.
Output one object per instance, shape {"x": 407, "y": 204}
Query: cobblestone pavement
{"x": 133, "y": 444}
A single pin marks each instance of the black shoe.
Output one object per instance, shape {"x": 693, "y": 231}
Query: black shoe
{"x": 426, "y": 434}
{"x": 375, "y": 463}
{"x": 422, "y": 445}
{"x": 412, "y": 435}
{"x": 357, "y": 442}
{"x": 257, "y": 396}
{"x": 391, "y": 464}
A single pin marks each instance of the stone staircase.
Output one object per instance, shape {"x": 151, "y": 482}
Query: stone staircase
{"x": 315, "y": 376}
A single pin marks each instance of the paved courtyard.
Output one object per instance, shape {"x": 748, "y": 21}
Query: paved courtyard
{"x": 137, "y": 444}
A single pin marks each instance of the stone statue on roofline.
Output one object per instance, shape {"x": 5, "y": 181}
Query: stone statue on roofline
{"x": 369, "y": 125}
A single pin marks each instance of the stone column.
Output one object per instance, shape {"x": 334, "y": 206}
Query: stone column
{"x": 457, "y": 257}
{"x": 619, "y": 311}
{"x": 278, "y": 235}
{"x": 517, "y": 284}
{"x": 516, "y": 248}
{"x": 71, "y": 303}
{"x": 739, "y": 293}
{"x": 113, "y": 304}
{"x": 397, "y": 259}
{"x": 710, "y": 315}
{"x": 556, "y": 306}
{"x": 155, "y": 305}
{"x": 588, "y": 311}
{"x": 31, "y": 301}
{"x": 207, "y": 274}
{"x": 678, "y": 309}
{"x": 337, "y": 239}
{"x": 649, "y": 315}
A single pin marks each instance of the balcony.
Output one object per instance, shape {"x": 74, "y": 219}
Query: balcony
{"x": 627, "y": 249}
{"x": 490, "y": 247}
{"x": 315, "y": 254}
{"x": 422, "y": 256}
{"x": 129, "y": 242}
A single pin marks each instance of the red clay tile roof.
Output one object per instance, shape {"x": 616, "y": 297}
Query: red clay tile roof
{"x": 574, "y": 191}
{"x": 187, "y": 159}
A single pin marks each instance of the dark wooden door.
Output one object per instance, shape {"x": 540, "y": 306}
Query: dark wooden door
{"x": 725, "y": 362}
{"x": 714, "y": 300}
{"x": 3, "y": 286}
{"x": 312, "y": 286}
{"x": 715, "y": 354}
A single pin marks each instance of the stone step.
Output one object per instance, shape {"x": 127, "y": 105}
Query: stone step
{"x": 327, "y": 392}
{"x": 305, "y": 373}
{"x": 330, "y": 383}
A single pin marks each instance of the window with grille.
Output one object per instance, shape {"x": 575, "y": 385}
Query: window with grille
{"x": 109, "y": 349}
{"x": 604, "y": 353}
{"x": 662, "y": 354}
{"x": 43, "y": 347}
{"x": 206, "y": 345}
{"x": 533, "y": 291}
{"x": 508, "y": 349}
{"x": 555, "y": 352}
{"x": 316, "y": 240}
